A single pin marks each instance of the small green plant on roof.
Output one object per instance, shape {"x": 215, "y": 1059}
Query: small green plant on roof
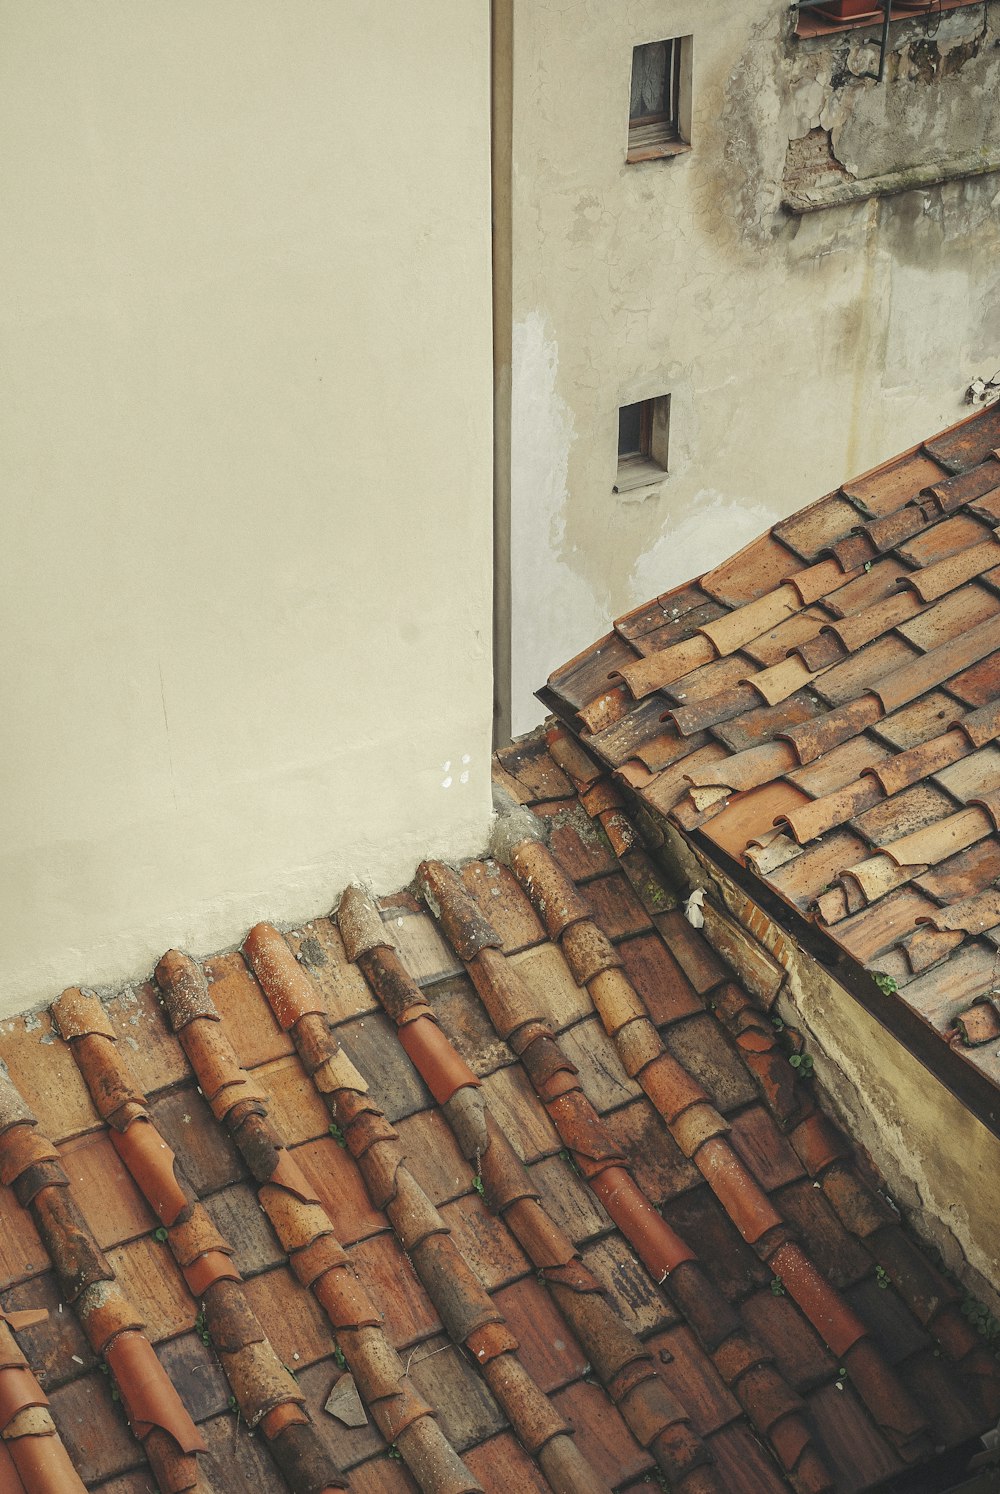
{"x": 777, "y": 1287}
{"x": 201, "y": 1328}
{"x": 778, "y": 1023}
{"x": 394, "y": 1452}
{"x": 338, "y": 1134}
{"x": 477, "y": 1183}
{"x": 886, "y": 983}
{"x": 160, "y": 1234}
{"x": 882, "y": 1279}
{"x": 803, "y": 1064}
{"x": 841, "y": 1377}
{"x": 338, "y": 1355}
{"x": 985, "y": 1324}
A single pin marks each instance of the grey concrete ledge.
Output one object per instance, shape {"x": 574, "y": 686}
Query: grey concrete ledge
{"x": 846, "y": 190}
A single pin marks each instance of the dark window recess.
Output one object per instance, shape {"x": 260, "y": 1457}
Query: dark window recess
{"x": 634, "y": 423}
{"x": 643, "y": 440}
{"x": 654, "y": 121}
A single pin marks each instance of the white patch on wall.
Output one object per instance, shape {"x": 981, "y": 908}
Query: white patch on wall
{"x": 554, "y": 612}
{"x": 710, "y": 530}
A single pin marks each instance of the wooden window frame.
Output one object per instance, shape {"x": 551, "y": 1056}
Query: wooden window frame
{"x": 649, "y": 465}
{"x": 652, "y": 137}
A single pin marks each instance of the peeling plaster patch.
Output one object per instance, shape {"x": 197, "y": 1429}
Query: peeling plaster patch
{"x": 711, "y": 529}
{"x": 554, "y": 611}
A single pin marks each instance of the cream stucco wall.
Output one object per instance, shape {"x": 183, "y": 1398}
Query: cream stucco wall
{"x": 797, "y": 351}
{"x": 246, "y": 449}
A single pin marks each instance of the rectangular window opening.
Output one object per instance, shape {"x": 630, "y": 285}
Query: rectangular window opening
{"x": 643, "y": 443}
{"x": 657, "y": 103}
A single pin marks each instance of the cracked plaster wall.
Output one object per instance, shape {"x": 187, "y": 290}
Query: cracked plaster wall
{"x": 247, "y": 467}
{"x": 797, "y": 351}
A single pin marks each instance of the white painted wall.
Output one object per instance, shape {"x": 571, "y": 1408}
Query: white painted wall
{"x": 245, "y": 453}
{"x": 797, "y": 351}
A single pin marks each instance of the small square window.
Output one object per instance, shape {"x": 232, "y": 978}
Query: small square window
{"x": 643, "y": 443}
{"x": 657, "y": 123}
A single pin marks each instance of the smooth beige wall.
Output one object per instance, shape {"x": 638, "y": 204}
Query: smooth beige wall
{"x": 797, "y": 351}
{"x": 246, "y": 465}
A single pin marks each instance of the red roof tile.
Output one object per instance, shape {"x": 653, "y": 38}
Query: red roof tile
{"x": 680, "y": 1328}
{"x": 892, "y": 613}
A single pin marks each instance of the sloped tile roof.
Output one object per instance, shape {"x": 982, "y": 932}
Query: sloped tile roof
{"x": 517, "y": 1170}
{"x": 824, "y": 708}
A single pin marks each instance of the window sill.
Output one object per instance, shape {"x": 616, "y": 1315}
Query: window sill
{"x": 843, "y": 191}
{"x": 654, "y": 143}
{"x": 638, "y": 472}
{"x": 811, "y": 23}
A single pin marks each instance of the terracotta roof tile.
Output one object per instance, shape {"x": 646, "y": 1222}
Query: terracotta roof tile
{"x": 533, "y": 767}
{"x": 501, "y": 900}
{"x": 701, "y": 1046}
{"x": 803, "y": 878}
{"x": 434, "y": 1157}
{"x": 319, "y": 947}
{"x": 697, "y": 959}
{"x": 757, "y": 569}
{"x": 658, "y": 976}
{"x": 606, "y": 1441}
{"x": 297, "y": 1110}
{"x": 661, "y": 1169}
{"x": 55, "y": 1347}
{"x": 968, "y": 444}
{"x": 728, "y": 1259}
{"x": 444, "y": 1377}
{"x": 53, "y": 1089}
{"x": 502, "y": 1465}
{"x": 382, "y": 1476}
{"x": 800, "y": 1353}
{"x": 580, "y": 847}
{"x": 810, "y": 532}
{"x": 464, "y": 1018}
{"x": 890, "y": 486}
{"x": 154, "y": 1054}
{"x": 257, "y": 1037}
{"x": 978, "y": 686}
{"x": 834, "y": 1250}
{"x": 329, "y": 1168}
{"x": 148, "y": 1275}
{"x": 348, "y": 1446}
{"x": 725, "y": 1366}
{"x": 765, "y": 1151}
{"x": 604, "y": 1080}
{"x": 545, "y": 972}
{"x": 616, "y": 908}
{"x": 858, "y": 1455}
{"x": 111, "y": 1203}
{"x": 95, "y": 1435}
{"x": 188, "y": 1126}
{"x": 424, "y": 952}
{"x": 753, "y": 813}
{"x": 235, "y": 1213}
{"x": 953, "y": 615}
{"x": 520, "y": 1115}
{"x": 763, "y": 723}
{"x": 22, "y": 1254}
{"x": 547, "y": 1346}
{"x": 370, "y": 1043}
{"x": 695, "y": 1380}
{"x": 574, "y": 1207}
